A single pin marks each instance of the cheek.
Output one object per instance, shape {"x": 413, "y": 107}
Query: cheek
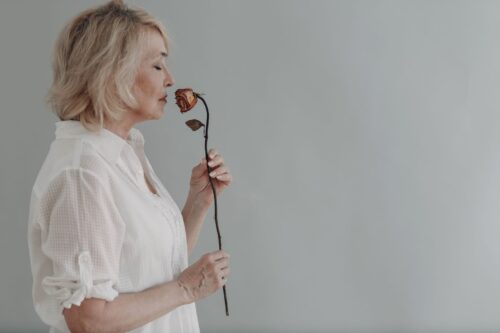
{"x": 145, "y": 89}
{"x": 148, "y": 87}
{"x": 150, "y": 90}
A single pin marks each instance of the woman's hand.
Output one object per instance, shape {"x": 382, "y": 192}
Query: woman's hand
{"x": 205, "y": 276}
{"x": 200, "y": 188}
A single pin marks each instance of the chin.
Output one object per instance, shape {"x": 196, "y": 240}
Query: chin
{"x": 154, "y": 114}
{"x": 158, "y": 115}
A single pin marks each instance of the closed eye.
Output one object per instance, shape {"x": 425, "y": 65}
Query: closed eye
{"x": 158, "y": 68}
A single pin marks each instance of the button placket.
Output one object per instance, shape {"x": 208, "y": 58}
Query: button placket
{"x": 171, "y": 216}
{"x": 168, "y": 217}
{"x": 168, "y": 204}
{"x": 142, "y": 181}
{"x": 139, "y": 171}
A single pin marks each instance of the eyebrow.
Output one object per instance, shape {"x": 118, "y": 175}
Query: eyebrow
{"x": 162, "y": 54}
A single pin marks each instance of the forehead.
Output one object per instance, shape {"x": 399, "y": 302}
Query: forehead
{"x": 155, "y": 46}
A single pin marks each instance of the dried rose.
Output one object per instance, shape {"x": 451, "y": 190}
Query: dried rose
{"x": 186, "y": 99}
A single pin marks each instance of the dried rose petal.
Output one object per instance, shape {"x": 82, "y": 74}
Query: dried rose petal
{"x": 186, "y": 99}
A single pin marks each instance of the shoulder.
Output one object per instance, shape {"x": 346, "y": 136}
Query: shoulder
{"x": 91, "y": 161}
{"x": 71, "y": 161}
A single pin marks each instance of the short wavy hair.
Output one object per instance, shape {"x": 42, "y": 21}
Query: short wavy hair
{"x": 95, "y": 62}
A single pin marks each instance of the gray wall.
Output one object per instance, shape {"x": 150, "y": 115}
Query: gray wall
{"x": 363, "y": 139}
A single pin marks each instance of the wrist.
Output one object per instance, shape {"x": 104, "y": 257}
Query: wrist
{"x": 186, "y": 296}
{"x": 194, "y": 202}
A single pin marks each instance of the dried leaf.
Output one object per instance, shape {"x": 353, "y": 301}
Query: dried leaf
{"x": 194, "y": 124}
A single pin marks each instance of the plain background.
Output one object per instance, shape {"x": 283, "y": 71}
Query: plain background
{"x": 363, "y": 137}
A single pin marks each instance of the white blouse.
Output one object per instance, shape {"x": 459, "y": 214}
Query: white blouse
{"x": 96, "y": 230}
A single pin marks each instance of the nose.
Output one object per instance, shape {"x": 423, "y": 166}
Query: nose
{"x": 169, "y": 78}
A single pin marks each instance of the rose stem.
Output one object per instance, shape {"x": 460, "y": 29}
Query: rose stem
{"x": 213, "y": 191}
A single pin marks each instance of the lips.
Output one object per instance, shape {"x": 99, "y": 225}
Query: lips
{"x": 164, "y": 98}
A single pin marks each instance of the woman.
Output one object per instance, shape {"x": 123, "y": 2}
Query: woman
{"x": 108, "y": 245}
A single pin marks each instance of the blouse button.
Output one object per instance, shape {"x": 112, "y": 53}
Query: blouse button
{"x": 84, "y": 258}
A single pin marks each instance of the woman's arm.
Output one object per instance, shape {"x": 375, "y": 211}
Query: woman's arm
{"x": 194, "y": 214}
{"x": 201, "y": 195}
{"x": 127, "y": 311}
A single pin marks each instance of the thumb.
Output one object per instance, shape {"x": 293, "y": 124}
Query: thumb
{"x": 200, "y": 168}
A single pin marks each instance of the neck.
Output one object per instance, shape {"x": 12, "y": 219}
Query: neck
{"x": 121, "y": 127}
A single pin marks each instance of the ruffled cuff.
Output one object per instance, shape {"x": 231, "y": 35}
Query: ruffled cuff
{"x": 71, "y": 292}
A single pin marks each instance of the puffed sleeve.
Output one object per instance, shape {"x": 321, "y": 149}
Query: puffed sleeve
{"x": 82, "y": 234}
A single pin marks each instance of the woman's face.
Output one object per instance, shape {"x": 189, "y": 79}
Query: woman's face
{"x": 152, "y": 79}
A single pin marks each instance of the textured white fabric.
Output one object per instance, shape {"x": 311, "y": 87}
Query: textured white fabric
{"x": 96, "y": 230}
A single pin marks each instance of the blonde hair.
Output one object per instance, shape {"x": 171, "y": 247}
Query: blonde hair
{"x": 96, "y": 58}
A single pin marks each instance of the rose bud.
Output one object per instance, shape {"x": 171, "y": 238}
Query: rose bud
{"x": 186, "y": 99}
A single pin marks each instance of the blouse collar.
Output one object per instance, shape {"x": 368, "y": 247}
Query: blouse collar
{"x": 107, "y": 143}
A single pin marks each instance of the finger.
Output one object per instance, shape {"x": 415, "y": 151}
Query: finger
{"x": 221, "y": 264}
{"x": 217, "y": 255}
{"x": 217, "y": 160}
{"x": 226, "y": 178}
{"x": 212, "y": 153}
{"x": 219, "y": 171}
{"x": 224, "y": 273}
{"x": 204, "y": 161}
